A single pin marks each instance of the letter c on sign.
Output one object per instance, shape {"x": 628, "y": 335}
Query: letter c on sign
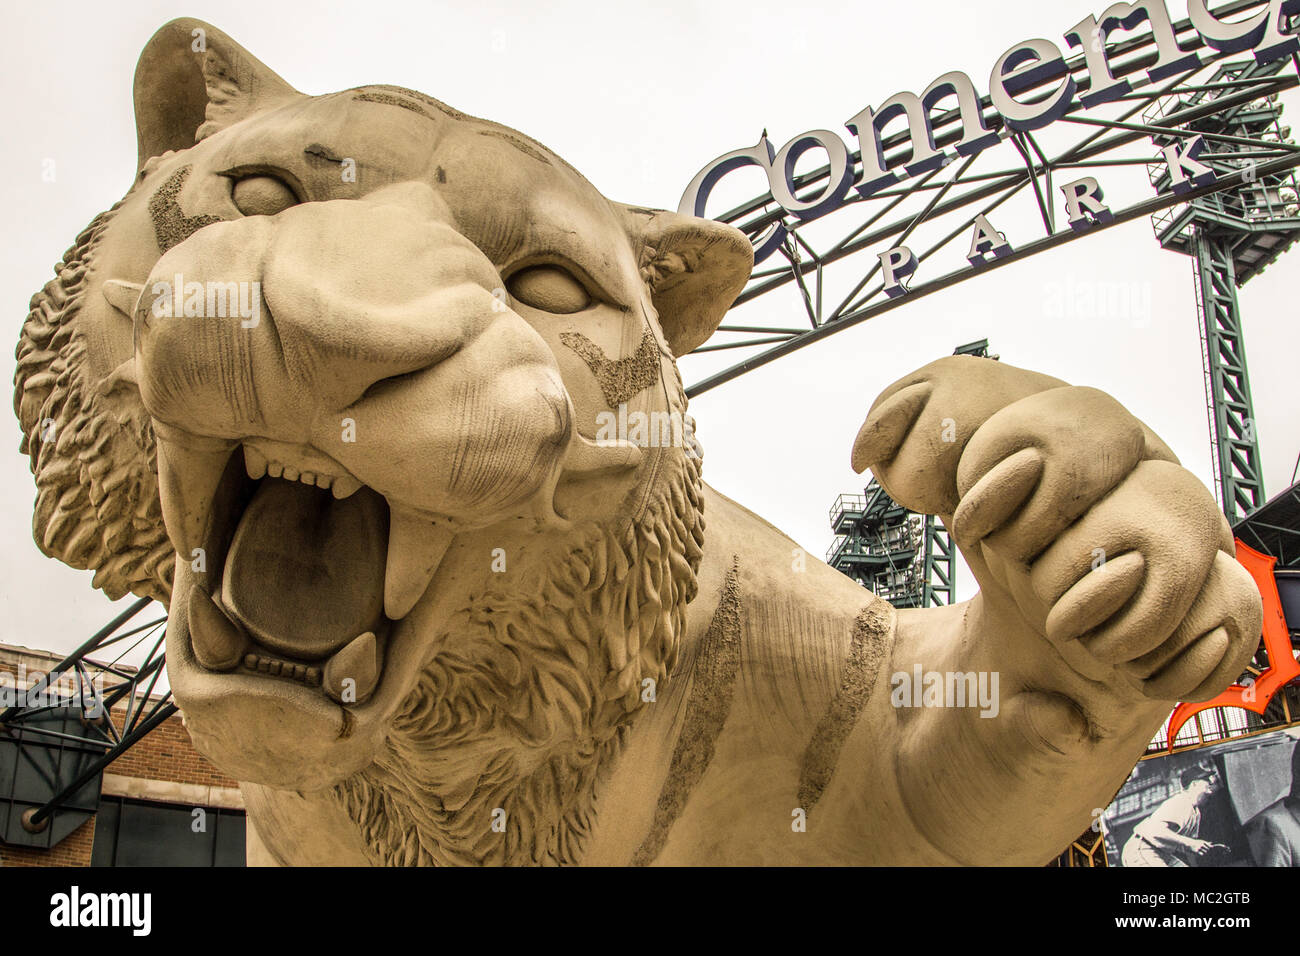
{"x": 697, "y": 193}
{"x": 1259, "y": 33}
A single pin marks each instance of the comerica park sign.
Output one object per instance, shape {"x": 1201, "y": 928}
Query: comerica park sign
{"x": 1030, "y": 65}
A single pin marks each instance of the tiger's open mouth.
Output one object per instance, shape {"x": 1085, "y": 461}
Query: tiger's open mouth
{"x": 305, "y": 601}
{"x": 302, "y": 571}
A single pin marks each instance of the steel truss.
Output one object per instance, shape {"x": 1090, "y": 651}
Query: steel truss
{"x": 109, "y": 707}
{"x": 938, "y": 564}
{"x": 1239, "y": 482}
{"x": 1231, "y": 237}
{"x": 947, "y": 199}
{"x": 879, "y": 544}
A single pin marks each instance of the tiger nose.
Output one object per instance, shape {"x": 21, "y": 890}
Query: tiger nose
{"x": 350, "y": 293}
{"x": 375, "y": 289}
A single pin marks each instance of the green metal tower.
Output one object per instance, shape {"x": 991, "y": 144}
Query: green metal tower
{"x": 877, "y": 543}
{"x": 904, "y": 557}
{"x": 1231, "y": 236}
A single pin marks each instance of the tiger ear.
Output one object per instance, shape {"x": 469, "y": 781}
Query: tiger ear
{"x": 192, "y": 81}
{"x": 695, "y": 269}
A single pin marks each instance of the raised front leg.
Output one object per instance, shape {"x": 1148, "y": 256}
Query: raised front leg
{"x": 1108, "y": 590}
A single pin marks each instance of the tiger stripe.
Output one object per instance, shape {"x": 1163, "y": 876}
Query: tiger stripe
{"x": 706, "y": 714}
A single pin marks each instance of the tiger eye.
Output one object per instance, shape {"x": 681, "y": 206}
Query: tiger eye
{"x": 549, "y": 288}
{"x": 262, "y": 196}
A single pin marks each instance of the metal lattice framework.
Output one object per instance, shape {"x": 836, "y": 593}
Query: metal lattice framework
{"x": 939, "y": 565}
{"x": 1231, "y": 236}
{"x": 65, "y": 740}
{"x": 905, "y": 558}
{"x": 836, "y": 277}
{"x": 1239, "y": 482}
{"x": 877, "y": 543}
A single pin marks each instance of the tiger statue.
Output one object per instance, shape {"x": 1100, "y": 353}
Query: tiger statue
{"x": 335, "y": 382}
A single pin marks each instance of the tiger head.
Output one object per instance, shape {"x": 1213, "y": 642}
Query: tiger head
{"x": 345, "y": 380}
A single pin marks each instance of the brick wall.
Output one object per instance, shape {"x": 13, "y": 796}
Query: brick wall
{"x": 167, "y": 753}
{"x": 74, "y": 850}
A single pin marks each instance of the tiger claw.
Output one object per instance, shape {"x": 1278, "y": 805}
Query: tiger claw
{"x": 882, "y": 434}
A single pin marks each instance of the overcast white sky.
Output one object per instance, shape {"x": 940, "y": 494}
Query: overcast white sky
{"x": 639, "y": 97}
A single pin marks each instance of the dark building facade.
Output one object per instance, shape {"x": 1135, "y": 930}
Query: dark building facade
{"x": 160, "y": 803}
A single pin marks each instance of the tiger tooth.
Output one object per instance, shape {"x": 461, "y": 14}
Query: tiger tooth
{"x": 188, "y": 477}
{"x": 345, "y": 486}
{"x": 358, "y": 661}
{"x": 307, "y": 478}
{"x": 416, "y": 546}
{"x": 218, "y": 642}
{"x": 254, "y": 462}
{"x": 274, "y": 469}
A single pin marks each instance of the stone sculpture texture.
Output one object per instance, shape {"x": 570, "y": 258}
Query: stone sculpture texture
{"x": 334, "y": 382}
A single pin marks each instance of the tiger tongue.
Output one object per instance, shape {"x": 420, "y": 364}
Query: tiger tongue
{"x": 305, "y": 572}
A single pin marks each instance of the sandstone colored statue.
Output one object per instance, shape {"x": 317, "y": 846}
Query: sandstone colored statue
{"x": 335, "y": 381}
